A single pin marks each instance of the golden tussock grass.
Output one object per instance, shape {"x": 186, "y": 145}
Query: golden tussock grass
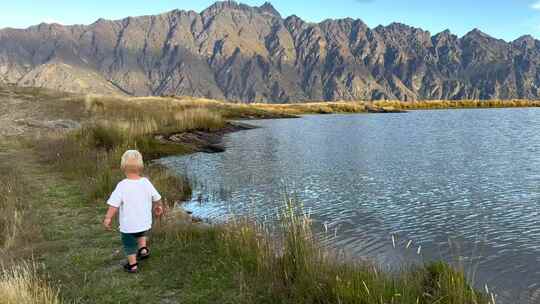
{"x": 92, "y": 155}
{"x": 21, "y": 284}
{"x": 456, "y": 104}
{"x": 11, "y": 217}
{"x": 152, "y": 106}
{"x": 17, "y": 229}
{"x": 314, "y": 108}
{"x": 260, "y": 110}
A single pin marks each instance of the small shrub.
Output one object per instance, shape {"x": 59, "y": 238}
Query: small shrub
{"x": 101, "y": 136}
{"x": 450, "y": 286}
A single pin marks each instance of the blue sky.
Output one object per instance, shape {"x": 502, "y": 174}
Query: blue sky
{"x": 506, "y": 19}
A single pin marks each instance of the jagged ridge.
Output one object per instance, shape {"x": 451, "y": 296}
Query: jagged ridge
{"x": 238, "y": 52}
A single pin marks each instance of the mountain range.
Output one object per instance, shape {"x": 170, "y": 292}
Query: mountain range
{"x": 243, "y": 53}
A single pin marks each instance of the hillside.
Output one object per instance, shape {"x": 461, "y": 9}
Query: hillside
{"x": 252, "y": 54}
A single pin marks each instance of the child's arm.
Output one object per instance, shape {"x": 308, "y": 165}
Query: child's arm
{"x": 111, "y": 212}
{"x": 156, "y": 200}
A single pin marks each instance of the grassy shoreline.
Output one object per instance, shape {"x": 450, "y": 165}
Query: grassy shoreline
{"x": 292, "y": 110}
{"x": 69, "y": 175}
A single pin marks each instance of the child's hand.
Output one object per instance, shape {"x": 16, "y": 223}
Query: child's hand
{"x": 158, "y": 210}
{"x": 107, "y": 224}
{"x": 108, "y": 217}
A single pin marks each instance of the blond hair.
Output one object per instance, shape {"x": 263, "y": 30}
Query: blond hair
{"x": 132, "y": 161}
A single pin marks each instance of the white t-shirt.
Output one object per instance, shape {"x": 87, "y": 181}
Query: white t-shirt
{"x": 134, "y": 197}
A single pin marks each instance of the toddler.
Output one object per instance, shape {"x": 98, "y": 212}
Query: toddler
{"x": 134, "y": 198}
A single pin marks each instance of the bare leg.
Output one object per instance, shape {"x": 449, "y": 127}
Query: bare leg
{"x": 132, "y": 260}
{"x": 142, "y": 243}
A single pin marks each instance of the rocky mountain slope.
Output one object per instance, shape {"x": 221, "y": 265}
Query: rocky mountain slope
{"x": 238, "y": 52}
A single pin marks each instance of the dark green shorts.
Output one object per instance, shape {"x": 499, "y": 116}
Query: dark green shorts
{"x": 129, "y": 240}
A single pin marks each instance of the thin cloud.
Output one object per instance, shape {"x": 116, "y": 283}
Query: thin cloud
{"x": 536, "y": 5}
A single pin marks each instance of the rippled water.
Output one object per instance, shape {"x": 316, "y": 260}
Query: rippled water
{"x": 469, "y": 176}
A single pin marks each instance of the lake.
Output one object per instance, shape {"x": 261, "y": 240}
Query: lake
{"x": 458, "y": 185}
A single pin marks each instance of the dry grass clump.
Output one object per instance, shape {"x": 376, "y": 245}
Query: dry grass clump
{"x": 92, "y": 153}
{"x": 456, "y": 104}
{"x": 146, "y": 115}
{"x": 17, "y": 230}
{"x": 159, "y": 107}
{"x": 11, "y": 217}
{"x": 20, "y": 284}
{"x": 197, "y": 119}
{"x": 315, "y": 107}
{"x": 230, "y": 110}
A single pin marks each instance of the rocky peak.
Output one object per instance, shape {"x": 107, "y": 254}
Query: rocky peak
{"x": 443, "y": 37}
{"x": 294, "y": 23}
{"x": 221, "y": 6}
{"x": 525, "y": 41}
{"x": 335, "y": 25}
{"x": 394, "y": 27}
{"x": 477, "y": 34}
{"x": 402, "y": 35}
{"x": 100, "y": 21}
{"x": 478, "y": 40}
{"x": 268, "y": 8}
{"x": 446, "y": 34}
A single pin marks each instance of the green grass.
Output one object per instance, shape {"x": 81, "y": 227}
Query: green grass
{"x": 16, "y": 219}
{"x": 88, "y": 268}
{"x": 13, "y": 211}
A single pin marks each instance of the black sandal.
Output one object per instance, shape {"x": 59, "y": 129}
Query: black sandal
{"x": 143, "y": 256}
{"x": 131, "y": 267}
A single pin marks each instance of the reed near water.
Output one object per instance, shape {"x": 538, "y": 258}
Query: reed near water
{"x": 236, "y": 262}
{"x": 293, "y": 268}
